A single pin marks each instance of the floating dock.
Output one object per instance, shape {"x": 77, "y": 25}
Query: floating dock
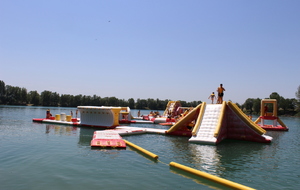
{"x": 107, "y": 139}
{"x": 126, "y": 130}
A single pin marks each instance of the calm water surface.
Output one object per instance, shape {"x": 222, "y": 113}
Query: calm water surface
{"x": 43, "y": 156}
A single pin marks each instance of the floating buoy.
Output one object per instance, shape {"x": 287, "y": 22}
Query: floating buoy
{"x": 150, "y": 154}
{"x": 213, "y": 178}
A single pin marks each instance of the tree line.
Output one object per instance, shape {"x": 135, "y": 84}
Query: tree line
{"x": 13, "y": 95}
{"x": 286, "y": 106}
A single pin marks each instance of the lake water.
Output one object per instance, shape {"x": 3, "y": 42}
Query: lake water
{"x": 43, "y": 156}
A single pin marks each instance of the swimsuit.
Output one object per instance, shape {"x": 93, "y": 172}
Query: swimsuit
{"x": 220, "y": 91}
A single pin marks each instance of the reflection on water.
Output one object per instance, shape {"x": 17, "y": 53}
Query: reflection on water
{"x": 206, "y": 157}
{"x": 61, "y": 130}
{"x": 201, "y": 157}
{"x": 86, "y": 135}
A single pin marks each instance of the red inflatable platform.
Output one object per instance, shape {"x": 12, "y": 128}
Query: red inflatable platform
{"x": 273, "y": 128}
{"x": 107, "y": 139}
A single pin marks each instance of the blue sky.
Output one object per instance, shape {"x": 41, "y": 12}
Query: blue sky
{"x": 178, "y": 50}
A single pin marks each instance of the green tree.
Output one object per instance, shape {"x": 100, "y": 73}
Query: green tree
{"x": 164, "y": 103}
{"x": 184, "y": 103}
{"x": 194, "y": 103}
{"x": 288, "y": 105}
{"x": 34, "y": 98}
{"x": 160, "y": 104}
{"x": 2, "y": 92}
{"x": 46, "y": 98}
{"x": 141, "y": 104}
{"x": 55, "y": 99}
{"x": 87, "y": 100}
{"x": 298, "y": 93}
{"x": 24, "y": 96}
{"x": 113, "y": 101}
{"x": 256, "y": 105}
{"x": 9, "y": 95}
{"x": 248, "y": 105}
{"x": 96, "y": 100}
{"x": 65, "y": 100}
{"x": 276, "y": 96}
{"x": 71, "y": 101}
{"x": 77, "y": 100}
{"x": 151, "y": 104}
{"x": 49, "y": 98}
{"x": 104, "y": 101}
{"x": 13, "y": 95}
{"x": 131, "y": 103}
{"x": 122, "y": 103}
{"x": 298, "y": 98}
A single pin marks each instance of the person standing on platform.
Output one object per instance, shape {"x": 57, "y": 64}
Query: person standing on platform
{"x": 212, "y": 97}
{"x": 266, "y": 110}
{"x": 220, "y": 91}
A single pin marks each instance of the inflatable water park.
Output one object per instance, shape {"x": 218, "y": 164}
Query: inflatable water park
{"x": 204, "y": 124}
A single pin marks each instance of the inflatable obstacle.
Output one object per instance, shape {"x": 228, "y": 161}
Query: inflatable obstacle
{"x": 91, "y": 116}
{"x": 173, "y": 111}
{"x": 183, "y": 126}
{"x": 107, "y": 139}
{"x": 216, "y": 122}
{"x": 270, "y": 116}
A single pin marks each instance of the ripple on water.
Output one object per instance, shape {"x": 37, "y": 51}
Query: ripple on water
{"x": 40, "y": 156}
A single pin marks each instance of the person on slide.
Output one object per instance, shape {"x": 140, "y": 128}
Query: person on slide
{"x": 220, "y": 91}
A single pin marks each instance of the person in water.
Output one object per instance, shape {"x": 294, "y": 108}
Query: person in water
{"x": 212, "y": 97}
{"x": 220, "y": 91}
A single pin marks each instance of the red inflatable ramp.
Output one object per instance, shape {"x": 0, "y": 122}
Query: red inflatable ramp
{"x": 107, "y": 139}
